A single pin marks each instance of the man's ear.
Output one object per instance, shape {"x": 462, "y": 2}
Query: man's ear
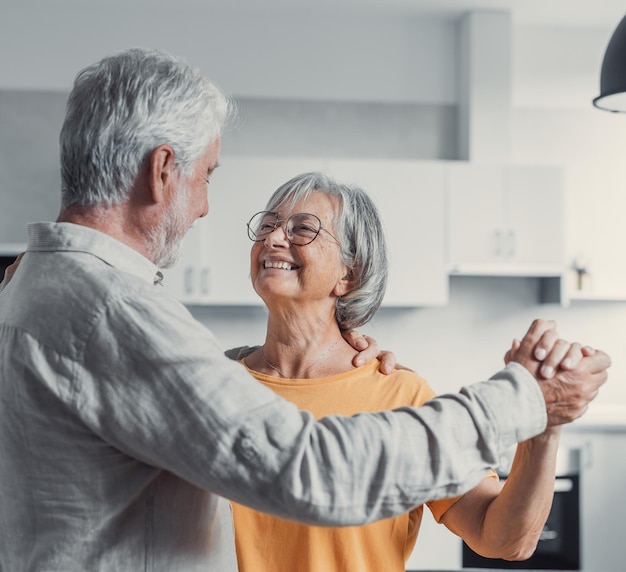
{"x": 162, "y": 172}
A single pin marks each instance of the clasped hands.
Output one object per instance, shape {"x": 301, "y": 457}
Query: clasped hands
{"x": 570, "y": 375}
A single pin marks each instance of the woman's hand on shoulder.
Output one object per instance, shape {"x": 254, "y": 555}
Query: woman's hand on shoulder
{"x": 368, "y": 349}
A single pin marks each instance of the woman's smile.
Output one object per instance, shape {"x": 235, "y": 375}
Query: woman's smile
{"x": 279, "y": 264}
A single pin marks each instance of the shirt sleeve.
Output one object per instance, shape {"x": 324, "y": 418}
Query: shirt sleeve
{"x": 157, "y": 386}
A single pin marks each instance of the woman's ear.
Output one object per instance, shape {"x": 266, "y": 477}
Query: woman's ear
{"x": 344, "y": 285}
{"x": 162, "y": 172}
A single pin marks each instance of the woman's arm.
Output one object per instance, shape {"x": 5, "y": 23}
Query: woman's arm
{"x": 505, "y": 521}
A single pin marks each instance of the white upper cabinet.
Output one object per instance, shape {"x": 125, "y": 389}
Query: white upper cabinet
{"x": 189, "y": 279}
{"x": 505, "y": 220}
{"x": 410, "y": 198}
{"x": 215, "y": 268}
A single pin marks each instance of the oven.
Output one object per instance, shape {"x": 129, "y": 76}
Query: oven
{"x": 559, "y": 543}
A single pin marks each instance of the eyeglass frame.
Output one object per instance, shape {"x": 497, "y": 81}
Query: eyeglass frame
{"x": 284, "y": 226}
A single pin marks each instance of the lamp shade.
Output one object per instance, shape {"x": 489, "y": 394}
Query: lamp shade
{"x": 613, "y": 76}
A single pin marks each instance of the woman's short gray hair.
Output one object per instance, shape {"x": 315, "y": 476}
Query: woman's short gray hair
{"x": 359, "y": 229}
{"x": 123, "y": 107}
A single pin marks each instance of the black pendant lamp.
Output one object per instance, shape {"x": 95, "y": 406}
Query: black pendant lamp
{"x": 613, "y": 76}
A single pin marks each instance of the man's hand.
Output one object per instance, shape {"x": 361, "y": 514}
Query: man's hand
{"x": 9, "y": 271}
{"x": 572, "y": 386}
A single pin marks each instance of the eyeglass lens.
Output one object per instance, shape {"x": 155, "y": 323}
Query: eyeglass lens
{"x": 301, "y": 228}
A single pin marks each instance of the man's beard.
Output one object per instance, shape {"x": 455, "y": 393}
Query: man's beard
{"x": 165, "y": 241}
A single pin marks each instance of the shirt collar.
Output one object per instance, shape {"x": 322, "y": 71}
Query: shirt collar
{"x": 70, "y": 237}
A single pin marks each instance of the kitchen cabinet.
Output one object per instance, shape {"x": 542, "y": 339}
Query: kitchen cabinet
{"x": 505, "y": 220}
{"x": 190, "y": 279}
{"x": 410, "y": 198}
{"x": 215, "y": 267}
{"x": 602, "y": 499}
{"x": 409, "y": 194}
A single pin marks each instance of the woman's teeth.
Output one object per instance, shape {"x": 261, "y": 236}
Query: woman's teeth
{"x": 277, "y": 264}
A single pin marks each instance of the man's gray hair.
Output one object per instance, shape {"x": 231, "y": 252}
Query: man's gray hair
{"x": 361, "y": 235}
{"x": 123, "y": 107}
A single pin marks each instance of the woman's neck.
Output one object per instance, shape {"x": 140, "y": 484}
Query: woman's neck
{"x": 302, "y": 346}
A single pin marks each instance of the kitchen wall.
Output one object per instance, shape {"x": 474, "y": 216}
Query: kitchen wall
{"x": 366, "y": 85}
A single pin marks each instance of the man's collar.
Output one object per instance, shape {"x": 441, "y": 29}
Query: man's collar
{"x": 70, "y": 237}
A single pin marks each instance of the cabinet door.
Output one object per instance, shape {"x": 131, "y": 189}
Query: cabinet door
{"x": 505, "y": 220}
{"x": 475, "y": 210}
{"x": 602, "y": 501}
{"x": 534, "y": 215}
{"x": 188, "y": 279}
{"x": 239, "y": 188}
{"x": 410, "y": 198}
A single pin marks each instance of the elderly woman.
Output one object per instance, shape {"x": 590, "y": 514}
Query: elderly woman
{"x": 319, "y": 263}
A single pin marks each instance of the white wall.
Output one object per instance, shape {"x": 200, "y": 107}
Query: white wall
{"x": 360, "y": 57}
{"x": 355, "y": 57}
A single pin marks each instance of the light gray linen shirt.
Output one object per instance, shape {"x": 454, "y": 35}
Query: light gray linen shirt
{"x": 122, "y": 426}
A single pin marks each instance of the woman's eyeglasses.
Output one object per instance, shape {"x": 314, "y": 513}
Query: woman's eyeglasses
{"x": 301, "y": 228}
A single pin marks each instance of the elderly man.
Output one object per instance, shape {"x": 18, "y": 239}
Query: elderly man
{"x": 122, "y": 424}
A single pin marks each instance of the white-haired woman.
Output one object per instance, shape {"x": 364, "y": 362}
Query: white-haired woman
{"x": 319, "y": 263}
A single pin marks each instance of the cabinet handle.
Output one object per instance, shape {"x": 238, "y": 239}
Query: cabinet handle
{"x": 205, "y": 281}
{"x": 511, "y": 243}
{"x": 188, "y": 285}
{"x": 497, "y": 243}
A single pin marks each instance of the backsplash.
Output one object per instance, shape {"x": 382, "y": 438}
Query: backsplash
{"x": 464, "y": 341}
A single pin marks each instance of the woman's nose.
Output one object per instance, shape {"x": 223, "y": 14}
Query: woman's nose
{"x": 278, "y": 237}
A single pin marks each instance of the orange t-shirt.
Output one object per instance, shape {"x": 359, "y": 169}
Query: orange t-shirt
{"x": 269, "y": 544}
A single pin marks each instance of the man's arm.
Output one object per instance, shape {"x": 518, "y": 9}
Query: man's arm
{"x": 231, "y": 435}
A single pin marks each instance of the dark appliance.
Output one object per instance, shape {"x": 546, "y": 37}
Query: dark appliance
{"x": 559, "y": 544}
{"x": 5, "y": 260}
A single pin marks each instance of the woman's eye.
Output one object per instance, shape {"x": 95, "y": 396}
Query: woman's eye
{"x": 303, "y": 228}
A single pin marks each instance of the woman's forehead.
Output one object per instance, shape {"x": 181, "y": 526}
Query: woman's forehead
{"x": 316, "y": 202}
